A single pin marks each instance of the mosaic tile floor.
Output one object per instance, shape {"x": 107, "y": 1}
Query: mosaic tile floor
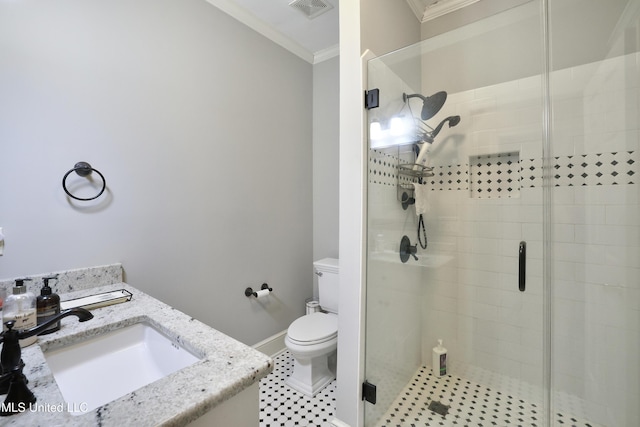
{"x": 281, "y": 406}
{"x": 469, "y": 404}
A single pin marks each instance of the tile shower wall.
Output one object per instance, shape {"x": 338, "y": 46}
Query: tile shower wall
{"x": 597, "y": 270}
{"x": 472, "y": 297}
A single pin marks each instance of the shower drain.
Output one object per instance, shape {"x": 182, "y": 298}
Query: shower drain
{"x": 438, "y": 408}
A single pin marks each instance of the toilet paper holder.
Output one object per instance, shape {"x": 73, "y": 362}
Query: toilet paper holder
{"x": 250, "y": 292}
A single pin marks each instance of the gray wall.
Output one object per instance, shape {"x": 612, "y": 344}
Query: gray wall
{"x": 326, "y": 112}
{"x": 326, "y": 119}
{"x": 468, "y": 14}
{"x": 203, "y": 130}
{"x": 482, "y": 55}
{"x": 387, "y": 25}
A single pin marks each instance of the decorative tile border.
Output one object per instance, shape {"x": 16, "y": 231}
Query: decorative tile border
{"x": 531, "y": 173}
{"x": 451, "y": 177}
{"x": 596, "y": 169}
{"x": 504, "y": 174}
{"x": 383, "y": 168}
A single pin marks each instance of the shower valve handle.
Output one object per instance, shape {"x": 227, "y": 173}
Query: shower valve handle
{"x": 407, "y": 250}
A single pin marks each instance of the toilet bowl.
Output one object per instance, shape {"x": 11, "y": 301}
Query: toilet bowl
{"x": 312, "y": 339}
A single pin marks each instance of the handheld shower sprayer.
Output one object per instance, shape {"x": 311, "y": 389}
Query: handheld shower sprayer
{"x": 453, "y": 121}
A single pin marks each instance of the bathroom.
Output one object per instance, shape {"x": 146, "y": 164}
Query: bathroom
{"x": 209, "y": 164}
{"x": 205, "y": 190}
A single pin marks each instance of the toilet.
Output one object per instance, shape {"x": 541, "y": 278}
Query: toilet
{"x": 313, "y": 339}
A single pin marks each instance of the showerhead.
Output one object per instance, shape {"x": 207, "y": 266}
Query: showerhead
{"x": 430, "y": 104}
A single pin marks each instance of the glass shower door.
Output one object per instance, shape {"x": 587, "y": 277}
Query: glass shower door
{"x": 595, "y": 85}
{"x": 543, "y": 161}
{"x": 472, "y": 164}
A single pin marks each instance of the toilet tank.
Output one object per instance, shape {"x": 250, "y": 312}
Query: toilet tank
{"x": 328, "y": 283}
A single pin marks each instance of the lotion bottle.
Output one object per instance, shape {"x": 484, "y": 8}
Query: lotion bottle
{"x": 48, "y": 306}
{"x": 439, "y": 360}
{"x": 21, "y": 308}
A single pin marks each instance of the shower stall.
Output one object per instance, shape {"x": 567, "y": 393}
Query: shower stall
{"x": 512, "y": 233}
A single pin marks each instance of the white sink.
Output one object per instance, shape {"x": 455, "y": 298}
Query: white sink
{"x": 97, "y": 371}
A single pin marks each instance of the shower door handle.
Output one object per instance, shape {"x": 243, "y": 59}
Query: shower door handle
{"x": 522, "y": 265}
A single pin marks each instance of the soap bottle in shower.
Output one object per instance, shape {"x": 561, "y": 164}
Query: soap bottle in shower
{"x": 422, "y": 157}
{"x": 439, "y": 360}
{"x": 21, "y": 308}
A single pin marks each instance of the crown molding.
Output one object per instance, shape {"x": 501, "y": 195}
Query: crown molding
{"x": 256, "y": 24}
{"x": 328, "y": 53}
{"x": 418, "y": 7}
{"x": 426, "y": 10}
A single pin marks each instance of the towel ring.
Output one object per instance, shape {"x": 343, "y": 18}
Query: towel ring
{"x": 83, "y": 169}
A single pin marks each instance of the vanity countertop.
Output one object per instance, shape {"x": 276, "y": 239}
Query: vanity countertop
{"x": 227, "y": 368}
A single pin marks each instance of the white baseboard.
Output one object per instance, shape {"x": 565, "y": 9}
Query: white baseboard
{"x": 337, "y": 423}
{"x": 272, "y": 346}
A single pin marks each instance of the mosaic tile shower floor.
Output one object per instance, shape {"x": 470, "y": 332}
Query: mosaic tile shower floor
{"x": 470, "y": 404}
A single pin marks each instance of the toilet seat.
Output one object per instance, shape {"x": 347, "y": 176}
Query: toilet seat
{"x": 313, "y": 328}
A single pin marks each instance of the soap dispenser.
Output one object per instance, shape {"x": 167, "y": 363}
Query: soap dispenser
{"x": 21, "y": 308}
{"x": 439, "y": 360}
{"x": 48, "y": 306}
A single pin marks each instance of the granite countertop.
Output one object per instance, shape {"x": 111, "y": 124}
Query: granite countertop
{"x": 227, "y": 367}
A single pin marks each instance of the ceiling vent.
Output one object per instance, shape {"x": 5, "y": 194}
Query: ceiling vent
{"x": 311, "y": 8}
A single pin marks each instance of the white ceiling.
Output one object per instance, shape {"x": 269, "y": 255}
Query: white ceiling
{"x": 314, "y": 40}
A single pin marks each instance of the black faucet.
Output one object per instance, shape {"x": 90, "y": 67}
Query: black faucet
{"x": 12, "y": 381}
